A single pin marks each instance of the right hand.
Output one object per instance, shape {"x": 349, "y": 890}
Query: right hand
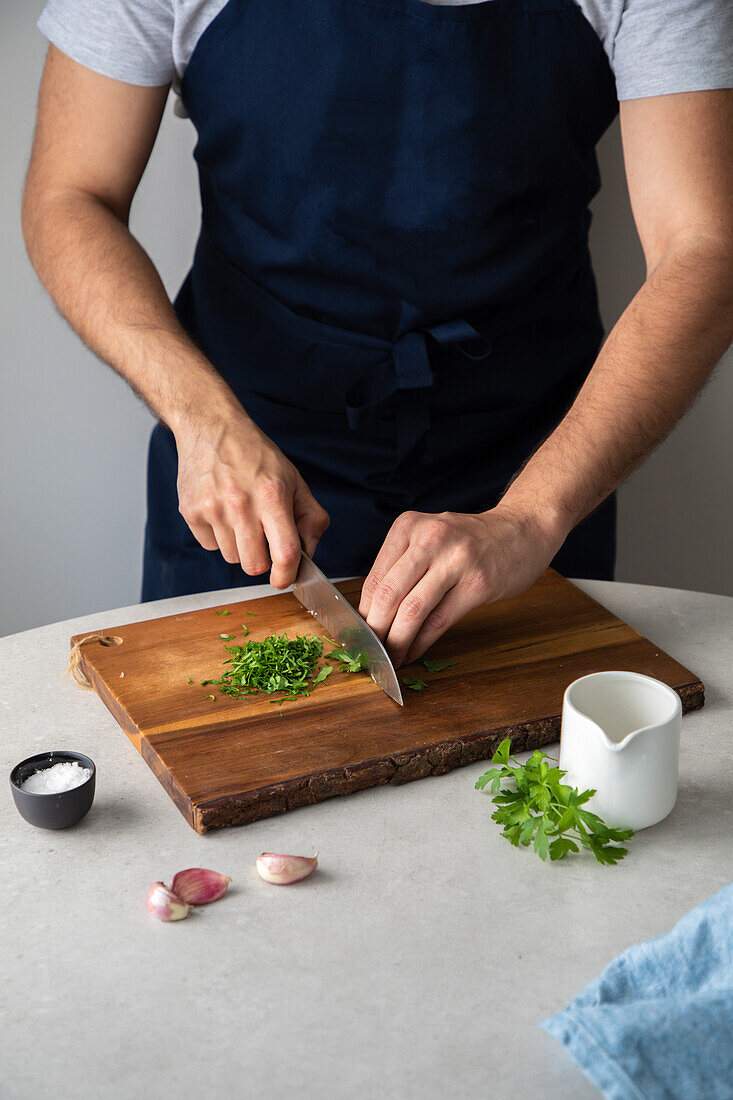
{"x": 239, "y": 494}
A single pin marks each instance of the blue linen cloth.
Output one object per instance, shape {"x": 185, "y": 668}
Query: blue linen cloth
{"x": 658, "y": 1023}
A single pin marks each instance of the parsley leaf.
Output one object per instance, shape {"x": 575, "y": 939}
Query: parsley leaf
{"x": 414, "y": 685}
{"x": 538, "y": 809}
{"x": 323, "y": 674}
{"x": 224, "y": 612}
{"x": 352, "y": 662}
{"x": 436, "y": 666}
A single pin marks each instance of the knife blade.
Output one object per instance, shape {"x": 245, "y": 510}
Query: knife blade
{"x": 345, "y": 625}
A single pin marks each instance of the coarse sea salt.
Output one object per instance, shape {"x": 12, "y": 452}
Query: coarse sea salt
{"x": 54, "y": 780}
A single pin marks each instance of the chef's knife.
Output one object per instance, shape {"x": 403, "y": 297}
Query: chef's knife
{"x": 345, "y": 625}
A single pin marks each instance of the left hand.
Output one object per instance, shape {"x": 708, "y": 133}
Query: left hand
{"x": 433, "y": 569}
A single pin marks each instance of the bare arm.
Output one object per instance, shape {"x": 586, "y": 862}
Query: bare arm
{"x": 679, "y": 163}
{"x": 679, "y": 160}
{"x": 93, "y": 139}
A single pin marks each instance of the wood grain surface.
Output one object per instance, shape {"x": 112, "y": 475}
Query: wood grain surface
{"x": 232, "y": 761}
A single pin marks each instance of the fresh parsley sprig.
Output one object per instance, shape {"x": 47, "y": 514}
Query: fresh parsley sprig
{"x": 538, "y": 809}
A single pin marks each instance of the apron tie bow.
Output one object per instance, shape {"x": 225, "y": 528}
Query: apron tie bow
{"x": 407, "y": 375}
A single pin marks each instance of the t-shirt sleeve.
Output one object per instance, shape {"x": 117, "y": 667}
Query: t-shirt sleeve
{"x": 666, "y": 46}
{"x": 128, "y": 40}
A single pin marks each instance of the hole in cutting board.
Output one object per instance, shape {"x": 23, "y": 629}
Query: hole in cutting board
{"x": 110, "y": 639}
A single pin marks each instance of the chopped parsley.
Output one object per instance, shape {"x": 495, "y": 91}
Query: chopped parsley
{"x": 352, "y": 662}
{"x": 436, "y": 666}
{"x": 414, "y": 685}
{"x": 277, "y": 663}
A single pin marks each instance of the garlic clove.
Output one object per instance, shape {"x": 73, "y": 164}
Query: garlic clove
{"x": 163, "y": 904}
{"x": 197, "y": 886}
{"x": 283, "y": 870}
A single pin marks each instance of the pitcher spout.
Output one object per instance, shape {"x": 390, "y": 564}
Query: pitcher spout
{"x": 620, "y": 737}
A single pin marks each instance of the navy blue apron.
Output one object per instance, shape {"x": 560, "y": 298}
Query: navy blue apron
{"x": 392, "y": 272}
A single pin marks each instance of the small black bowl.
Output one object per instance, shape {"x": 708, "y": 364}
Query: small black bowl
{"x": 53, "y": 811}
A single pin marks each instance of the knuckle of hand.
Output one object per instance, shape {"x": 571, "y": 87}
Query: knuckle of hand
{"x": 386, "y": 594}
{"x": 235, "y": 502}
{"x": 433, "y": 534}
{"x": 272, "y": 490}
{"x": 371, "y": 584}
{"x": 463, "y": 556}
{"x": 412, "y": 609}
{"x": 404, "y": 522}
{"x": 211, "y": 508}
{"x": 200, "y": 508}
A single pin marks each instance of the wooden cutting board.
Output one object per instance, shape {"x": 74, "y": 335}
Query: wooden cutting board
{"x": 230, "y": 762}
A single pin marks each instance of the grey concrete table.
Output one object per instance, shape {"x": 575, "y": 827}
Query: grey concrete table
{"x": 416, "y": 963}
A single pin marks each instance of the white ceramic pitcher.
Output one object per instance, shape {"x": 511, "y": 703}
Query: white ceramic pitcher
{"x": 621, "y": 736}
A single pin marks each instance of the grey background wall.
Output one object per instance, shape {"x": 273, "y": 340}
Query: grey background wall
{"x": 73, "y": 437}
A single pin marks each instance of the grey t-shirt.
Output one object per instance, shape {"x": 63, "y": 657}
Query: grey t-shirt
{"x": 655, "y": 47}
